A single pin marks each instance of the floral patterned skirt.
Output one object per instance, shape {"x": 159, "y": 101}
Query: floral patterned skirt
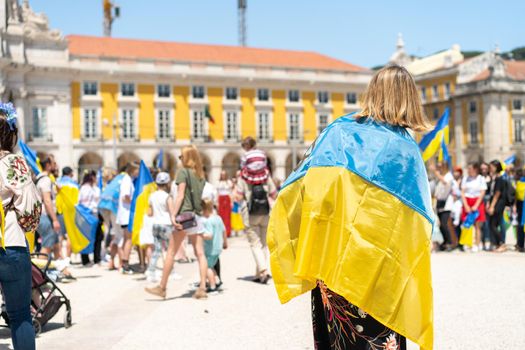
{"x": 339, "y": 325}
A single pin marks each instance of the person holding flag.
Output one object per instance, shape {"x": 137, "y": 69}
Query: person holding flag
{"x": 445, "y": 202}
{"x": 353, "y": 222}
{"x": 124, "y": 213}
{"x": 89, "y": 197}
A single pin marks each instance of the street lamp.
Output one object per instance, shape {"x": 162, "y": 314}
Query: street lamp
{"x": 114, "y": 134}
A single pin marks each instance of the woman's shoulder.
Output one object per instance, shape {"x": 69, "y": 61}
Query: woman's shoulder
{"x": 14, "y": 169}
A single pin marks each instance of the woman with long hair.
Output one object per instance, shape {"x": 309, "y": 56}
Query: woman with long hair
{"x": 20, "y": 213}
{"x": 473, "y": 188}
{"x": 353, "y": 224}
{"x": 225, "y": 201}
{"x": 188, "y": 207}
{"x": 89, "y": 197}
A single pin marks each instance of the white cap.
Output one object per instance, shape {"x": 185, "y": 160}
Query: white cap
{"x": 162, "y": 178}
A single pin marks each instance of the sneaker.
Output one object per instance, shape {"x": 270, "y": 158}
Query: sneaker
{"x": 475, "y": 249}
{"x": 175, "y": 277}
{"x": 126, "y": 270}
{"x": 157, "y": 290}
{"x": 212, "y": 291}
{"x": 151, "y": 277}
{"x": 200, "y": 294}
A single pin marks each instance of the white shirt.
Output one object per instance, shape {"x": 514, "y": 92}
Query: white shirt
{"x": 158, "y": 201}
{"x": 473, "y": 186}
{"x": 45, "y": 185}
{"x": 126, "y": 189}
{"x": 224, "y": 188}
{"x": 209, "y": 192}
{"x": 89, "y": 196}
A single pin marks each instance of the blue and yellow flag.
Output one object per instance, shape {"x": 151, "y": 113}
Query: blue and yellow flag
{"x": 444, "y": 156}
{"x": 144, "y": 187}
{"x": 431, "y": 142}
{"x": 110, "y": 196}
{"x": 357, "y": 214}
{"x": 66, "y": 200}
{"x": 31, "y": 157}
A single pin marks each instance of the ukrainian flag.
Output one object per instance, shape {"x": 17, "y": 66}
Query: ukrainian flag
{"x": 66, "y": 200}
{"x": 431, "y": 142}
{"x": 144, "y": 187}
{"x": 444, "y": 155}
{"x": 357, "y": 214}
{"x": 31, "y": 157}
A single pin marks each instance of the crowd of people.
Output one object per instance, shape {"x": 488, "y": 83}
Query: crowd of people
{"x": 183, "y": 211}
{"x": 479, "y": 206}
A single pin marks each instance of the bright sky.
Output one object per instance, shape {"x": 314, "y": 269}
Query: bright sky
{"x": 361, "y": 32}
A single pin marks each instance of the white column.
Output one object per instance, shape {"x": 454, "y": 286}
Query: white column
{"x": 458, "y": 133}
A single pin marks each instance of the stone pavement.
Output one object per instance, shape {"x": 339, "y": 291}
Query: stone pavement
{"x": 479, "y": 304}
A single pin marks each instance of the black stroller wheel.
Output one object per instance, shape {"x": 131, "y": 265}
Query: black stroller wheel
{"x": 37, "y": 326}
{"x": 67, "y": 319}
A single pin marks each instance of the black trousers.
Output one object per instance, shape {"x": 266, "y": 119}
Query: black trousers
{"x": 97, "y": 246}
{"x": 443, "y": 226}
{"x": 217, "y": 268}
{"x": 337, "y": 324}
{"x": 520, "y": 233}
{"x": 496, "y": 237}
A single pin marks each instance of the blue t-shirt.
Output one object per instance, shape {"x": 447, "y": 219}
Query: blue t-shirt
{"x": 214, "y": 226}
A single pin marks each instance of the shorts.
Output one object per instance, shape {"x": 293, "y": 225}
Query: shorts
{"x": 45, "y": 230}
{"x": 117, "y": 236}
{"x": 162, "y": 232}
{"x": 197, "y": 230}
{"x": 60, "y": 219}
{"x": 212, "y": 260}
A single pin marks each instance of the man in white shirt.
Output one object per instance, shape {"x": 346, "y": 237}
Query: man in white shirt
{"x": 123, "y": 213}
{"x": 49, "y": 226}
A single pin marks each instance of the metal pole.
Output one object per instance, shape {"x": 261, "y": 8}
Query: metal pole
{"x": 115, "y": 141}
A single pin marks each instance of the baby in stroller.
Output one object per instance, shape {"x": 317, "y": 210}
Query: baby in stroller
{"x": 46, "y": 300}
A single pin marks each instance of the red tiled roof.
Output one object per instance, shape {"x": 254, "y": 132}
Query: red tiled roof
{"x": 103, "y": 47}
{"x": 515, "y": 69}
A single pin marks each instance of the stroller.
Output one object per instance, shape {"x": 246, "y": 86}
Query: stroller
{"x": 46, "y": 298}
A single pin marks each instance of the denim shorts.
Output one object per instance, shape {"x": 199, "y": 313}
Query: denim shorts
{"x": 162, "y": 232}
{"x": 45, "y": 230}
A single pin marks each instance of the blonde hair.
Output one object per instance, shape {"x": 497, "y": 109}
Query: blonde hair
{"x": 108, "y": 174}
{"x": 207, "y": 205}
{"x": 392, "y": 97}
{"x": 191, "y": 159}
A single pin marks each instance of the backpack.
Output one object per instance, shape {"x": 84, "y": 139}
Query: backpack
{"x": 259, "y": 204}
{"x": 509, "y": 193}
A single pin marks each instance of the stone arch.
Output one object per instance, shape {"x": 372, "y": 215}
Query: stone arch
{"x": 169, "y": 162}
{"x": 231, "y": 163}
{"x": 89, "y": 161}
{"x": 270, "y": 162}
{"x": 125, "y": 158}
{"x": 206, "y": 163}
{"x": 289, "y": 165}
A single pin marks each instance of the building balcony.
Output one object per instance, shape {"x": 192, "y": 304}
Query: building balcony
{"x": 296, "y": 140}
{"x": 165, "y": 139}
{"x": 96, "y": 138}
{"x": 232, "y": 138}
{"x": 201, "y": 138}
{"x": 265, "y": 140}
{"x": 129, "y": 139}
{"x": 39, "y": 137}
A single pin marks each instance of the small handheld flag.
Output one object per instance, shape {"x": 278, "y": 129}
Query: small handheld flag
{"x": 431, "y": 142}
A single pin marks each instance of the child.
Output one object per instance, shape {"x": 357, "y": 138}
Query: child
{"x": 160, "y": 206}
{"x": 215, "y": 241}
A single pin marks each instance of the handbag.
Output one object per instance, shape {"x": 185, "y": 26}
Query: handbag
{"x": 188, "y": 219}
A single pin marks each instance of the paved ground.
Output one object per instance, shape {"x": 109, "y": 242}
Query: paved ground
{"x": 479, "y": 304}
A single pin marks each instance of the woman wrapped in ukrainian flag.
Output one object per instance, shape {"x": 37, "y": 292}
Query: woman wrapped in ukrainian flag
{"x": 353, "y": 222}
